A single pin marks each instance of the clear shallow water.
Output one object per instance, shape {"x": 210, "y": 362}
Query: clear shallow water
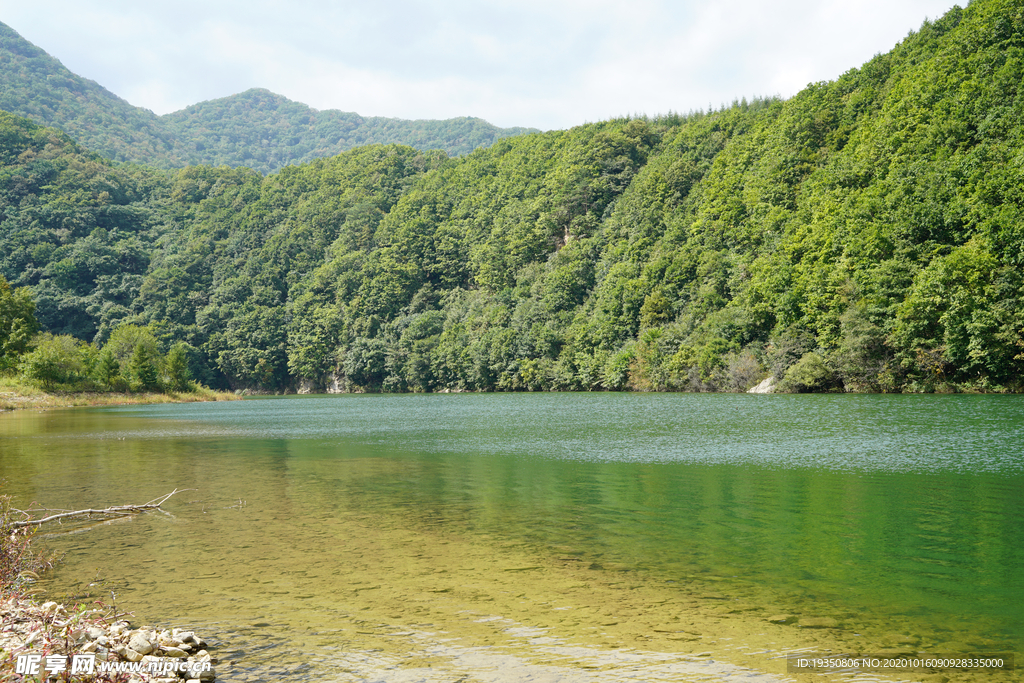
{"x": 336, "y": 522}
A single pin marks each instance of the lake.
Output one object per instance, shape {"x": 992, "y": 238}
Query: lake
{"x": 543, "y": 537}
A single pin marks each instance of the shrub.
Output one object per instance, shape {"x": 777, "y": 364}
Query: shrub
{"x": 60, "y": 359}
{"x": 17, "y": 323}
{"x": 18, "y": 562}
{"x": 787, "y": 349}
{"x": 807, "y": 375}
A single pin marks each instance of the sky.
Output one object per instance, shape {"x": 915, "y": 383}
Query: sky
{"x": 547, "y": 64}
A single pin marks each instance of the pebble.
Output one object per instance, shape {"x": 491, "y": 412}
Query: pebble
{"x": 140, "y": 643}
{"x": 27, "y": 625}
{"x": 129, "y": 654}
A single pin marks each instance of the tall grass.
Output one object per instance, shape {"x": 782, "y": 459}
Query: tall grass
{"x": 20, "y": 564}
{"x": 17, "y": 392}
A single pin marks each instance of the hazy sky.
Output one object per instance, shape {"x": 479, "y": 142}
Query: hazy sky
{"x": 540, "y": 63}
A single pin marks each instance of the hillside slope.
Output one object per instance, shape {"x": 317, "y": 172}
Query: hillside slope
{"x": 865, "y": 235}
{"x": 35, "y": 85}
{"x": 265, "y": 131}
{"x": 256, "y": 128}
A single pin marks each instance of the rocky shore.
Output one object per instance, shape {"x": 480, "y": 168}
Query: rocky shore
{"x": 50, "y": 642}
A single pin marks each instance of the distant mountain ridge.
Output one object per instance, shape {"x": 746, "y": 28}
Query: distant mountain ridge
{"x": 261, "y": 129}
{"x": 255, "y": 128}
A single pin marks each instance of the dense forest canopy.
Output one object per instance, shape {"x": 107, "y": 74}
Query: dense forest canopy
{"x": 256, "y": 128}
{"x": 865, "y": 235}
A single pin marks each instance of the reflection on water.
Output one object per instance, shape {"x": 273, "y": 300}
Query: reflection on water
{"x": 544, "y": 537}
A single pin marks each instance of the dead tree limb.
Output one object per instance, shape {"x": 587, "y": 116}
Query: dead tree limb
{"x": 113, "y": 511}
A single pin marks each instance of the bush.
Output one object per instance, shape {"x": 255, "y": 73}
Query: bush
{"x": 18, "y": 562}
{"x": 809, "y": 374}
{"x": 787, "y": 349}
{"x": 743, "y": 371}
{"x": 60, "y": 359}
{"x": 17, "y": 323}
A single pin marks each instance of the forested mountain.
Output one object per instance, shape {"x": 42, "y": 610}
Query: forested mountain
{"x": 257, "y": 128}
{"x": 866, "y": 234}
{"x": 35, "y": 85}
{"x": 265, "y": 131}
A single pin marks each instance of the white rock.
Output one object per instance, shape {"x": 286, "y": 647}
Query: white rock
{"x": 166, "y": 638}
{"x": 140, "y": 643}
{"x": 190, "y": 637}
{"x": 130, "y": 654}
{"x": 765, "y": 387}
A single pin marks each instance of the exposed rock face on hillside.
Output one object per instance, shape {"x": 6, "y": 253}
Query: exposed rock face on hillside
{"x": 766, "y": 386}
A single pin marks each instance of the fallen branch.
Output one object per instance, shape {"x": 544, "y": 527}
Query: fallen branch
{"x": 113, "y": 511}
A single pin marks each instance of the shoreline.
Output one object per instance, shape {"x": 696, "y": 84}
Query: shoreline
{"x": 16, "y": 398}
{"x": 71, "y": 640}
{"x": 50, "y": 640}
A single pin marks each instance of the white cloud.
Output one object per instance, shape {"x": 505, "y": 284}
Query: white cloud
{"x": 543, "y": 63}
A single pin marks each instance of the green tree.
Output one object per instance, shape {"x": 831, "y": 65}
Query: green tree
{"x": 126, "y": 338}
{"x": 108, "y": 370}
{"x": 809, "y": 374}
{"x": 176, "y": 368}
{"x": 57, "y": 360}
{"x": 862, "y": 357}
{"x": 17, "y": 323}
{"x": 143, "y": 369}
{"x": 957, "y": 319}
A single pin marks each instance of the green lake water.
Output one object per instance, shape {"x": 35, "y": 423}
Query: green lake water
{"x": 537, "y": 537}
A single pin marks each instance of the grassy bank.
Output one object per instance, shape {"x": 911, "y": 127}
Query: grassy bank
{"x": 16, "y": 393}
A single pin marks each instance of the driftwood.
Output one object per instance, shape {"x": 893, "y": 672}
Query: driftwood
{"x": 114, "y": 511}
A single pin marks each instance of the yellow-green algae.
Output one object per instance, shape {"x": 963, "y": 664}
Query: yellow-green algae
{"x": 392, "y": 598}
